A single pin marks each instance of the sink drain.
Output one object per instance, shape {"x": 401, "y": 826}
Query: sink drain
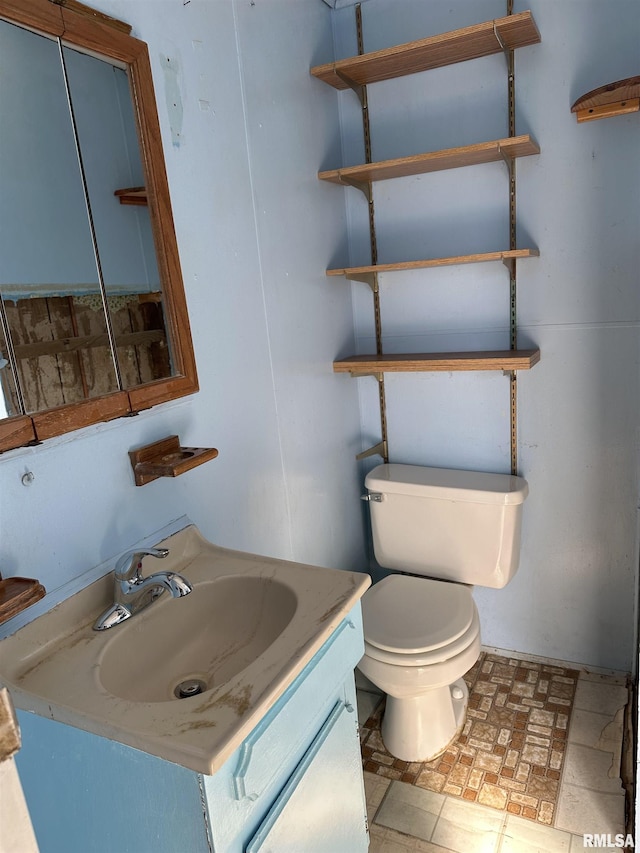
{"x": 190, "y": 687}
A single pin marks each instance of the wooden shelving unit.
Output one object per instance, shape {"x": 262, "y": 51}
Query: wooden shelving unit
{"x": 365, "y": 365}
{"x": 507, "y": 257}
{"x": 473, "y": 42}
{"x": 502, "y": 35}
{"x": 614, "y": 99}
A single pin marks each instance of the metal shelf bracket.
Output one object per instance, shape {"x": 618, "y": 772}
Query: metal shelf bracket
{"x": 358, "y": 88}
{"x": 379, "y": 449}
{"x": 370, "y": 278}
{"x": 363, "y": 186}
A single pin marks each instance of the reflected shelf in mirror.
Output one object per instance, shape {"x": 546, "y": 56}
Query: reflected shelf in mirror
{"x": 136, "y": 196}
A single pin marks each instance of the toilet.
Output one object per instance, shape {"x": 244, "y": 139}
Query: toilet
{"x": 443, "y": 532}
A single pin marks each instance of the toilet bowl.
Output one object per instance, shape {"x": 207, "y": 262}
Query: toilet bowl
{"x": 445, "y": 532}
{"x": 421, "y": 637}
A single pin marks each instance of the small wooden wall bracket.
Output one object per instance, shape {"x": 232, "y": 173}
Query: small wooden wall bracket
{"x": 614, "y": 99}
{"x": 16, "y": 594}
{"x": 166, "y": 458}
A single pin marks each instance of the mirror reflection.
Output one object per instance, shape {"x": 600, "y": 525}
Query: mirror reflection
{"x": 81, "y": 298}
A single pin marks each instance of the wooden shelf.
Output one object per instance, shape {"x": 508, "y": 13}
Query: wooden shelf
{"x": 614, "y": 99}
{"x": 167, "y": 458}
{"x": 506, "y": 256}
{"x": 449, "y": 48}
{"x": 360, "y": 365}
{"x": 418, "y": 164}
{"x": 133, "y": 195}
{"x": 16, "y": 594}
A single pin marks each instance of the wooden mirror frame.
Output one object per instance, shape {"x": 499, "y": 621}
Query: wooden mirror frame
{"x": 78, "y": 28}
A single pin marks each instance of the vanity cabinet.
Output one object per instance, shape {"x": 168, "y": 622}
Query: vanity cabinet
{"x": 294, "y": 784}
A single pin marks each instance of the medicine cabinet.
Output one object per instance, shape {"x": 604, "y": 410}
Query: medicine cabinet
{"x": 93, "y": 315}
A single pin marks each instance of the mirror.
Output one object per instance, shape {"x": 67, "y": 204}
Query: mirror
{"x": 92, "y": 309}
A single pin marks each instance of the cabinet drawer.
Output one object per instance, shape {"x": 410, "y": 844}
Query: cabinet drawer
{"x": 321, "y": 808}
{"x": 285, "y": 732}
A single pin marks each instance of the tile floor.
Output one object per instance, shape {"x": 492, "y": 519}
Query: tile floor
{"x": 406, "y": 816}
{"x": 511, "y": 751}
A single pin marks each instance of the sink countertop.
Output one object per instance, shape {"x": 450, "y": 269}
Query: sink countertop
{"x": 51, "y": 665}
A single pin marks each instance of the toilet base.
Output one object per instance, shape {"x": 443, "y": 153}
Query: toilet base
{"x": 421, "y": 728}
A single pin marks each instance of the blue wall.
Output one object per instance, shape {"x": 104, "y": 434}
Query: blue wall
{"x": 255, "y": 231}
{"x": 579, "y": 203}
{"x": 245, "y": 130}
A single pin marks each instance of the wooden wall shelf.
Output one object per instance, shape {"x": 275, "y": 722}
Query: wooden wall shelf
{"x": 66, "y": 345}
{"x": 16, "y": 594}
{"x": 166, "y": 458}
{"x": 614, "y": 99}
{"x": 362, "y": 365}
{"x": 449, "y": 48}
{"x": 505, "y": 256}
{"x": 435, "y": 161}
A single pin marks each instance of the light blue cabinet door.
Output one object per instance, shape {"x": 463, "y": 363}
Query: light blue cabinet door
{"x": 321, "y": 808}
{"x": 87, "y": 794}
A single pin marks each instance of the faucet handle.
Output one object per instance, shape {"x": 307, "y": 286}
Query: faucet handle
{"x": 129, "y": 564}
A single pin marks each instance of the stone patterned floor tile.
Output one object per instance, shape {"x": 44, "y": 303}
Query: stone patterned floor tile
{"x": 511, "y": 752}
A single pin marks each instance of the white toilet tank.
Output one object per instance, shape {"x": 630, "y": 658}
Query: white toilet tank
{"x": 462, "y": 526}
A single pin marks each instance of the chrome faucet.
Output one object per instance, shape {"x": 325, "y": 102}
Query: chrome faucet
{"x": 133, "y": 593}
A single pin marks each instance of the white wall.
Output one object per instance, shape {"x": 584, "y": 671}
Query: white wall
{"x": 245, "y": 127}
{"x": 579, "y": 202}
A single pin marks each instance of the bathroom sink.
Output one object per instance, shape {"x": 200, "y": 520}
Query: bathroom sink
{"x": 229, "y": 650}
{"x": 196, "y": 643}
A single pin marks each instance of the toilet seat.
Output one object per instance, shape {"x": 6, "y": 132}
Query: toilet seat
{"x": 410, "y": 621}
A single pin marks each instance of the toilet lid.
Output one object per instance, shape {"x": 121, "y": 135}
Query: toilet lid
{"x": 410, "y": 615}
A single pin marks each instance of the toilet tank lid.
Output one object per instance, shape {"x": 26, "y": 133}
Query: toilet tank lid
{"x": 447, "y": 484}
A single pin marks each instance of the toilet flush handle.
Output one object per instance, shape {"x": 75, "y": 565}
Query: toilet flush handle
{"x": 372, "y": 496}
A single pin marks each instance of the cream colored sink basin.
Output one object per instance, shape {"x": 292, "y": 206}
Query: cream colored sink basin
{"x": 207, "y": 638}
{"x": 246, "y": 631}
